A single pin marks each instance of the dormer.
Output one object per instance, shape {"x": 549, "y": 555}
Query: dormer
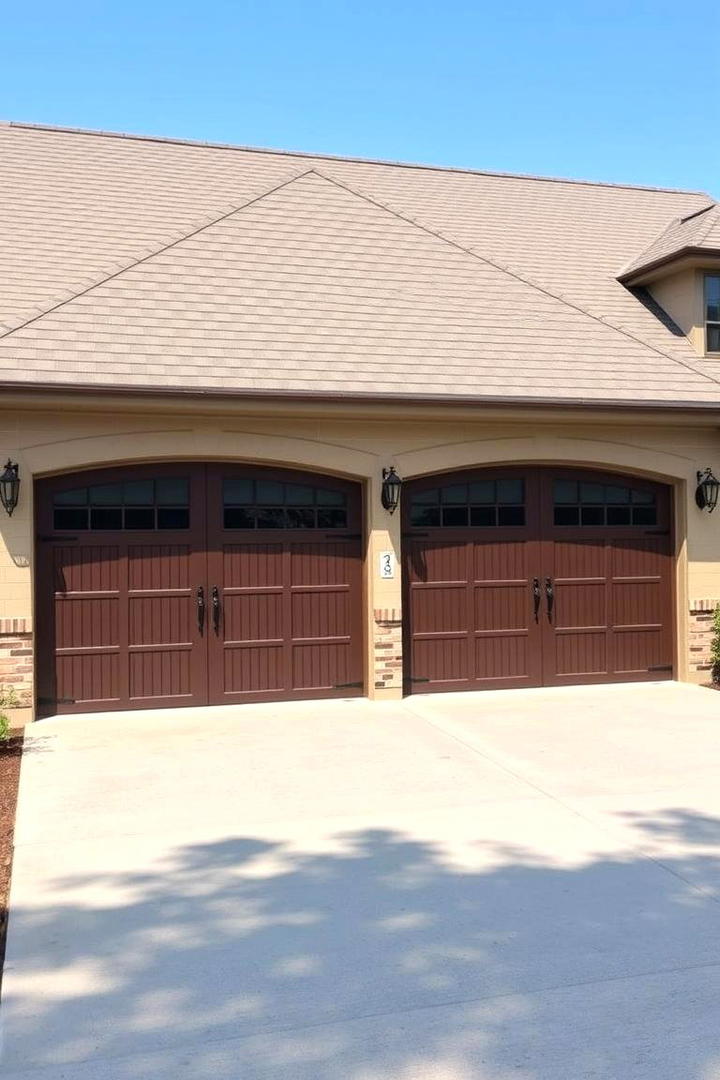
{"x": 681, "y": 271}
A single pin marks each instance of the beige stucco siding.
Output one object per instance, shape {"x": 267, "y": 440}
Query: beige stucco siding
{"x": 340, "y": 440}
{"x": 681, "y": 295}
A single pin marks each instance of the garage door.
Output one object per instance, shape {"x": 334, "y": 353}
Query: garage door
{"x": 536, "y": 577}
{"x": 177, "y": 585}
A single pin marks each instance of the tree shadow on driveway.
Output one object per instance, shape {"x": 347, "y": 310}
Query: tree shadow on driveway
{"x": 374, "y": 956}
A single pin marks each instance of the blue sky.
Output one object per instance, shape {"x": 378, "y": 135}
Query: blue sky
{"x": 609, "y": 91}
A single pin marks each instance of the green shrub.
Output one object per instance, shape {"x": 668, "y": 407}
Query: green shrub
{"x": 8, "y": 700}
{"x": 715, "y": 646}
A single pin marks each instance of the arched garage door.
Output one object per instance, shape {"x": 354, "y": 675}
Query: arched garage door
{"x": 173, "y": 585}
{"x": 536, "y": 577}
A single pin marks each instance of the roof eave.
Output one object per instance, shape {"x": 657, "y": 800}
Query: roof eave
{"x": 83, "y": 390}
{"x": 639, "y": 274}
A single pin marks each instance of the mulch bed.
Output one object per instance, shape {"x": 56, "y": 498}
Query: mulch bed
{"x": 10, "y": 755}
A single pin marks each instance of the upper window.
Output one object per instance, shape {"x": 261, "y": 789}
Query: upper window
{"x": 712, "y": 313}
{"x": 577, "y": 503}
{"x": 162, "y": 503}
{"x": 484, "y": 502}
{"x": 273, "y": 504}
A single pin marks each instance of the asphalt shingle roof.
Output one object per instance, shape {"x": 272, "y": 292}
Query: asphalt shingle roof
{"x": 697, "y": 232}
{"x": 159, "y": 264}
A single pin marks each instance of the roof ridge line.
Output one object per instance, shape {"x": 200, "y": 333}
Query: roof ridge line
{"x": 519, "y": 277}
{"x": 695, "y": 213}
{"x": 27, "y": 125}
{"x": 226, "y": 213}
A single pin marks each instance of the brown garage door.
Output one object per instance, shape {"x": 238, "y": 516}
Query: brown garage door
{"x": 531, "y": 577}
{"x": 176, "y": 585}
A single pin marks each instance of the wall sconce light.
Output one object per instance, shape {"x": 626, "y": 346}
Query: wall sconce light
{"x": 707, "y": 491}
{"x": 390, "y": 494}
{"x": 10, "y": 487}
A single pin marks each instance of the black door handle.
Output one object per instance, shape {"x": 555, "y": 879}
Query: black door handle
{"x": 549, "y": 596}
{"x": 200, "y": 601}
{"x": 536, "y": 597}
{"x": 216, "y": 608}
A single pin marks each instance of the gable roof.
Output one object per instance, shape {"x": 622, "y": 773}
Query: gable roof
{"x": 697, "y": 232}
{"x": 132, "y": 262}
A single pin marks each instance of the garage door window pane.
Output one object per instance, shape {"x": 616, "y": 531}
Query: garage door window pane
{"x": 172, "y": 517}
{"x": 139, "y": 493}
{"x": 644, "y": 515}
{"x": 76, "y": 497}
{"x": 567, "y": 515}
{"x": 618, "y": 515}
{"x": 481, "y": 516}
{"x": 483, "y": 492}
{"x": 270, "y": 518}
{"x": 105, "y": 517}
{"x": 239, "y": 517}
{"x": 141, "y": 517}
{"x": 432, "y": 495}
{"x": 565, "y": 491}
{"x": 70, "y": 517}
{"x": 300, "y": 517}
{"x": 238, "y": 492}
{"x": 270, "y": 493}
{"x": 298, "y": 495}
{"x": 510, "y": 492}
{"x": 592, "y": 493}
{"x": 328, "y": 497}
{"x": 455, "y": 493}
{"x": 329, "y": 517}
{"x": 454, "y": 516}
{"x": 106, "y": 495}
{"x": 171, "y": 491}
{"x": 425, "y": 515}
{"x": 592, "y": 515}
{"x": 511, "y": 515}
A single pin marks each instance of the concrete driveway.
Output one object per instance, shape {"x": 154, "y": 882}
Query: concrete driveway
{"x": 517, "y": 885}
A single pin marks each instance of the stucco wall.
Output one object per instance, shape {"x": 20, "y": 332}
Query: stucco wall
{"x": 334, "y": 440}
{"x": 681, "y": 295}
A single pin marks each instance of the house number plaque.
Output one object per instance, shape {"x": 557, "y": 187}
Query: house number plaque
{"x": 387, "y": 564}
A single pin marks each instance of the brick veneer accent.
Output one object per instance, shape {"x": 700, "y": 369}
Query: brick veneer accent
{"x": 387, "y": 643}
{"x": 701, "y": 630}
{"x": 16, "y": 658}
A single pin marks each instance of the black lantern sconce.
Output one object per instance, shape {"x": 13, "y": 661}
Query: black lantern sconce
{"x": 390, "y": 494}
{"x": 707, "y": 490}
{"x": 10, "y": 487}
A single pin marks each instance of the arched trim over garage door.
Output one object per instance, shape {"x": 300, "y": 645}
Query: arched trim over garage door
{"x": 180, "y": 584}
{"x": 531, "y": 576}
